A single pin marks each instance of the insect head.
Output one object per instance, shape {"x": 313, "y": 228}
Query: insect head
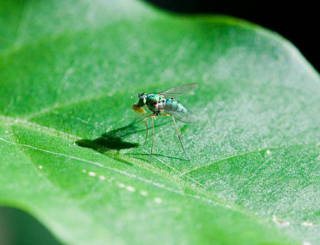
{"x": 142, "y": 99}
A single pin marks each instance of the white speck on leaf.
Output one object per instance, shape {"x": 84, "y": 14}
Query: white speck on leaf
{"x": 279, "y": 221}
{"x": 92, "y": 174}
{"x": 307, "y": 223}
{"x": 143, "y": 193}
{"x": 121, "y": 185}
{"x": 130, "y": 188}
{"x": 158, "y": 200}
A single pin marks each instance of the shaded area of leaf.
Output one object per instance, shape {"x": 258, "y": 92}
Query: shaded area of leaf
{"x": 114, "y": 139}
{"x": 111, "y": 140}
{"x": 19, "y": 227}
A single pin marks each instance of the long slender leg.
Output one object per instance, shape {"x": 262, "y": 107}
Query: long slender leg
{"x": 152, "y": 116}
{"x": 179, "y": 137}
{"x": 147, "y": 130}
{"x": 152, "y": 139}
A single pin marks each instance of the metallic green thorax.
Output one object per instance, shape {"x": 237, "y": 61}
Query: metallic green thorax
{"x": 157, "y": 104}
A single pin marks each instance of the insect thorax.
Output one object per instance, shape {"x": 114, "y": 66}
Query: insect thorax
{"x": 154, "y": 103}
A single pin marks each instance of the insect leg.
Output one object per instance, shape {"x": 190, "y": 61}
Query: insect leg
{"x": 152, "y": 116}
{"x": 152, "y": 139}
{"x": 147, "y": 131}
{"x": 179, "y": 137}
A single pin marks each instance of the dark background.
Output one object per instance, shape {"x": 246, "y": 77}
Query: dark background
{"x": 296, "y": 21}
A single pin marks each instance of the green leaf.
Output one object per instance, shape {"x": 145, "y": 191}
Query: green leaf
{"x": 72, "y": 156}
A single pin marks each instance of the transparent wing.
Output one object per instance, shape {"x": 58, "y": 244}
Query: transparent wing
{"x": 181, "y": 116}
{"x": 177, "y": 91}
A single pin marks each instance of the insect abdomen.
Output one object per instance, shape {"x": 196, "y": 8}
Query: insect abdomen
{"x": 173, "y": 105}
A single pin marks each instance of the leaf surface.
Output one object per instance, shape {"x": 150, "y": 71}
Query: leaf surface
{"x": 73, "y": 156}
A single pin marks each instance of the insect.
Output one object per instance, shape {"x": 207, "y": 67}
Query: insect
{"x": 165, "y": 104}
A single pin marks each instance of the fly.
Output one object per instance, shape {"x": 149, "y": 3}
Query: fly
{"x": 165, "y": 104}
